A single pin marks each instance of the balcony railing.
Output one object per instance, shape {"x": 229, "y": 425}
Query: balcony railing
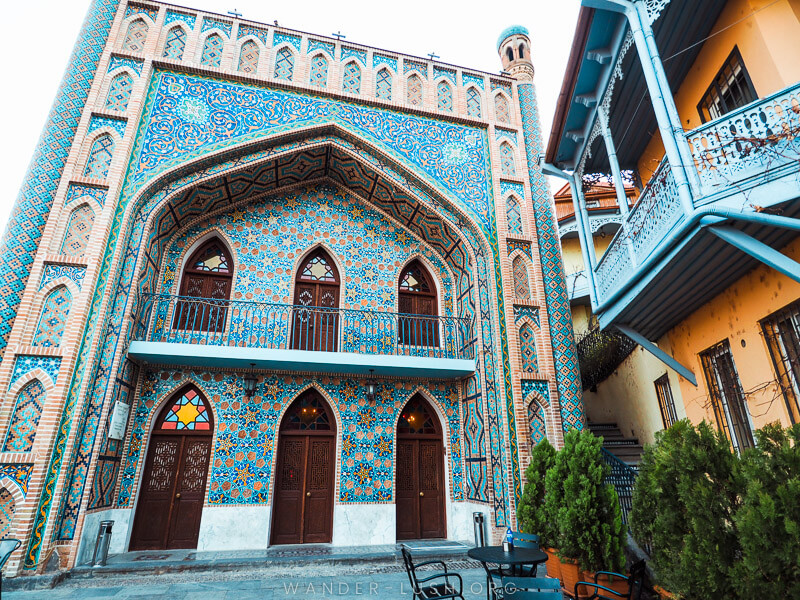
{"x": 246, "y": 324}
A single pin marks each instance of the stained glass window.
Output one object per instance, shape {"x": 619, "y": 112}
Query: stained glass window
{"x": 417, "y": 418}
{"x": 119, "y": 92}
{"x": 25, "y": 420}
{"x": 414, "y": 280}
{"x": 351, "y": 78}
{"x": 444, "y": 95}
{"x": 100, "y": 157}
{"x": 307, "y": 413}
{"x": 78, "y": 229}
{"x": 537, "y": 426}
{"x": 414, "y": 90}
{"x": 522, "y": 289}
{"x": 527, "y": 346}
{"x": 473, "y": 103}
{"x": 7, "y": 510}
{"x": 212, "y": 260}
{"x": 54, "y": 317}
{"x": 318, "y": 269}
{"x": 514, "y": 216}
{"x": 284, "y": 64}
{"x": 212, "y": 51}
{"x": 383, "y": 85}
{"x": 136, "y": 36}
{"x": 248, "y": 57}
{"x": 319, "y": 71}
{"x": 175, "y": 44}
{"x": 188, "y": 412}
{"x": 501, "y": 110}
{"x": 507, "y": 162}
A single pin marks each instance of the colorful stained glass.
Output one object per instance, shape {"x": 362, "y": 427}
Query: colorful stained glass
{"x": 212, "y": 51}
{"x": 175, "y": 44}
{"x": 514, "y": 216}
{"x": 284, "y": 64}
{"x": 444, "y": 94}
{"x": 76, "y": 237}
{"x": 136, "y": 36}
{"x": 414, "y": 90}
{"x": 351, "y": 78}
{"x": 383, "y": 85}
{"x": 213, "y": 260}
{"x": 7, "y": 510}
{"x": 417, "y": 417}
{"x": 100, "y": 157}
{"x": 119, "y": 92}
{"x": 187, "y": 413}
{"x": 473, "y": 102}
{"x": 318, "y": 269}
{"x": 507, "y": 163}
{"x": 527, "y": 346}
{"x": 501, "y": 111}
{"x": 319, "y": 71}
{"x": 307, "y": 413}
{"x": 25, "y": 419}
{"x": 522, "y": 288}
{"x": 248, "y": 57}
{"x": 54, "y": 318}
{"x": 414, "y": 280}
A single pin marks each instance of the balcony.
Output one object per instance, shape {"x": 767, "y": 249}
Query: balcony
{"x": 186, "y": 331}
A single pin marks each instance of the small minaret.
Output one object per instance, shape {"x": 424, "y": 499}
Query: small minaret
{"x": 514, "y": 47}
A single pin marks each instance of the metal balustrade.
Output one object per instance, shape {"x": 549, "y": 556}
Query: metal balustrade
{"x": 247, "y": 324}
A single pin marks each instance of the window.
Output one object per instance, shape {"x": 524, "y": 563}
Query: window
{"x": 444, "y": 96}
{"x": 665, "y": 401}
{"x": 414, "y": 90}
{"x": 248, "y": 57}
{"x": 527, "y": 346}
{"x": 418, "y": 418}
{"x": 25, "y": 419}
{"x": 383, "y": 85}
{"x": 79, "y": 227}
{"x": 100, "y": 157}
{"x": 175, "y": 44}
{"x": 501, "y": 110}
{"x": 119, "y": 92}
{"x": 510, "y": 53}
{"x": 522, "y": 289}
{"x": 284, "y": 64}
{"x": 55, "y": 311}
{"x": 514, "y": 216}
{"x": 730, "y": 89}
{"x": 782, "y": 332}
{"x": 206, "y": 275}
{"x": 521, "y": 51}
{"x": 417, "y": 296}
{"x": 727, "y": 396}
{"x": 136, "y": 36}
{"x": 212, "y": 51}
{"x": 351, "y": 78}
{"x": 508, "y": 166}
{"x": 473, "y": 103}
{"x": 188, "y": 411}
{"x": 316, "y": 304}
{"x": 308, "y": 413}
{"x": 319, "y": 71}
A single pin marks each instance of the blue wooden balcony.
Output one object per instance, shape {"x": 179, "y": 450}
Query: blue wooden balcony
{"x": 199, "y": 332}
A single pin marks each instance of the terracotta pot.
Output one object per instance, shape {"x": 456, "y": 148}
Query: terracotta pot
{"x": 664, "y": 594}
{"x": 553, "y": 563}
{"x": 617, "y": 583}
{"x": 570, "y": 575}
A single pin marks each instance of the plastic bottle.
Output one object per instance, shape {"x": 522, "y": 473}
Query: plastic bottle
{"x": 508, "y": 543}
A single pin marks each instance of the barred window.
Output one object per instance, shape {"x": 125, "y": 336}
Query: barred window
{"x": 782, "y": 332}
{"x": 383, "y": 85}
{"x": 665, "y": 401}
{"x": 351, "y": 78}
{"x": 284, "y": 64}
{"x": 136, "y": 36}
{"x": 248, "y": 57}
{"x": 414, "y": 90}
{"x": 212, "y": 51}
{"x": 730, "y": 89}
{"x": 175, "y": 43}
{"x": 473, "y": 103}
{"x": 444, "y": 96}
{"x": 319, "y": 71}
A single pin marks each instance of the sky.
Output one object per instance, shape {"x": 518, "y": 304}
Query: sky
{"x": 41, "y": 34}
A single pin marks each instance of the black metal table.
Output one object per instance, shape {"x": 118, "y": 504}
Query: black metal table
{"x": 516, "y": 558}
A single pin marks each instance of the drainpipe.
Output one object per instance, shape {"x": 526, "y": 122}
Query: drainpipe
{"x": 611, "y": 150}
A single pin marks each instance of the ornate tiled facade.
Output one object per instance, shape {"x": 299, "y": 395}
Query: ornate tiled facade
{"x": 273, "y": 172}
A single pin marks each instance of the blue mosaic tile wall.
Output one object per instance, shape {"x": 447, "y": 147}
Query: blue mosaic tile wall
{"x": 241, "y": 465}
{"x": 25, "y": 364}
{"x": 19, "y": 474}
{"x": 53, "y": 272}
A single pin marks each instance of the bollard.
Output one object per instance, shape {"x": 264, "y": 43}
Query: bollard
{"x": 101, "y": 546}
{"x": 477, "y": 523}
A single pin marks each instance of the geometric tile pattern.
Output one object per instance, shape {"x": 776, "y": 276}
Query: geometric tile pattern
{"x": 537, "y": 426}
{"x": 54, "y": 318}
{"x": 501, "y": 110}
{"x": 500, "y": 133}
{"x": 25, "y": 418}
{"x": 24, "y": 364}
{"x": 319, "y": 71}
{"x": 141, "y": 10}
{"x": 473, "y": 102}
{"x": 314, "y": 45}
{"x": 522, "y": 288}
{"x": 248, "y": 57}
{"x": 76, "y": 237}
{"x": 472, "y": 79}
{"x": 507, "y": 160}
{"x": 410, "y": 65}
{"x": 530, "y": 312}
{"x": 355, "y": 53}
{"x": 186, "y": 412}
{"x": 136, "y": 36}
{"x": 117, "y": 124}
{"x": 118, "y": 62}
{"x": 525, "y": 247}
{"x": 20, "y": 474}
{"x": 223, "y": 26}
{"x": 513, "y": 215}
{"x": 527, "y": 346}
{"x": 212, "y": 51}
{"x": 414, "y": 90}
{"x": 501, "y": 85}
{"x": 448, "y": 73}
{"x": 279, "y": 38}
{"x": 379, "y": 59}
{"x": 351, "y": 78}
{"x": 175, "y": 43}
{"x": 383, "y": 85}
{"x": 444, "y": 96}
{"x": 100, "y": 157}
{"x": 119, "y": 92}
{"x": 173, "y": 16}
{"x": 246, "y": 30}
{"x": 53, "y": 272}
{"x": 7, "y": 509}
{"x": 75, "y": 191}
{"x": 512, "y": 187}
{"x": 284, "y": 64}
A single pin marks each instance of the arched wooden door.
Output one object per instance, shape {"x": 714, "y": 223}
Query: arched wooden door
{"x": 207, "y": 276}
{"x": 417, "y": 297}
{"x": 302, "y": 509}
{"x": 174, "y": 477}
{"x": 420, "y": 473}
{"x": 317, "y": 288}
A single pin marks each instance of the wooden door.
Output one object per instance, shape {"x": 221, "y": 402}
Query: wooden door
{"x": 419, "y": 473}
{"x": 315, "y": 320}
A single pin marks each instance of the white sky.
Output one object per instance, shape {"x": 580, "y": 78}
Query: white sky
{"x": 40, "y": 35}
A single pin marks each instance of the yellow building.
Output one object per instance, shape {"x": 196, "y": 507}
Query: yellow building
{"x": 700, "y": 102}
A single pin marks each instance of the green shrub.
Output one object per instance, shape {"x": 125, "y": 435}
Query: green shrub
{"x": 531, "y": 510}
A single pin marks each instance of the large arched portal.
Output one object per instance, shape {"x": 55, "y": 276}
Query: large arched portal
{"x": 420, "y": 473}
{"x": 174, "y": 478}
{"x": 302, "y": 509}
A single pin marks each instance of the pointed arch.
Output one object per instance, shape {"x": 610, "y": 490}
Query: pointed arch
{"x": 309, "y": 411}
{"x": 284, "y": 64}
{"x": 136, "y": 36}
{"x": 522, "y": 287}
{"x": 521, "y": 50}
{"x": 351, "y": 78}
{"x": 8, "y": 507}
{"x": 212, "y": 51}
{"x": 527, "y": 349}
{"x": 510, "y": 53}
{"x": 318, "y": 76}
{"x": 175, "y": 43}
{"x": 473, "y": 102}
{"x": 79, "y": 227}
{"x": 513, "y": 215}
{"x": 414, "y": 90}
{"x": 418, "y": 416}
{"x": 383, "y": 84}
{"x": 508, "y": 162}
{"x": 207, "y": 275}
{"x": 55, "y": 311}
{"x": 444, "y": 96}
{"x": 119, "y": 92}
{"x": 25, "y": 418}
{"x": 315, "y": 318}
{"x": 100, "y": 156}
{"x": 186, "y": 410}
{"x": 537, "y": 422}
{"x": 417, "y": 297}
{"x": 248, "y": 57}
{"x": 502, "y": 111}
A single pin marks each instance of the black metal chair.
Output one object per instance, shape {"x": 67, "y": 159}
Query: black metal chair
{"x": 635, "y": 584}
{"x": 432, "y": 586}
{"x": 531, "y": 588}
{"x": 493, "y": 576}
{"x": 7, "y": 547}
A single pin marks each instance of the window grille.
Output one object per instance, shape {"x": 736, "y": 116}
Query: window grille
{"x": 248, "y": 57}
{"x": 351, "y": 79}
{"x": 212, "y": 51}
{"x": 473, "y": 103}
{"x": 284, "y": 64}
{"x": 383, "y": 85}
{"x": 119, "y": 92}
{"x": 501, "y": 110}
{"x": 414, "y": 91}
{"x": 730, "y": 89}
{"x": 319, "y": 71}
{"x": 514, "y": 216}
{"x": 175, "y": 43}
{"x": 782, "y": 332}
{"x": 727, "y": 395}
{"x": 666, "y": 403}
{"x": 136, "y": 36}
{"x": 444, "y": 96}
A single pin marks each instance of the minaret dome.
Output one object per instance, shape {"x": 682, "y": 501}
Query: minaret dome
{"x": 514, "y": 47}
